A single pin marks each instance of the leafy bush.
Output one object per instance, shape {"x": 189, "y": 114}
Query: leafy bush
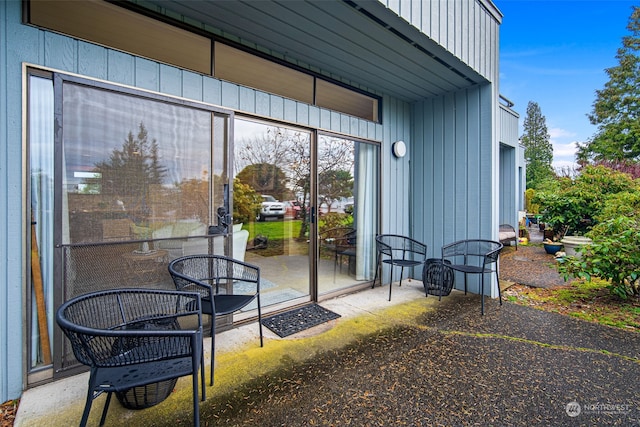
{"x": 576, "y": 205}
{"x": 335, "y": 219}
{"x": 614, "y": 202}
{"x": 528, "y": 197}
{"x": 614, "y": 255}
{"x": 246, "y": 202}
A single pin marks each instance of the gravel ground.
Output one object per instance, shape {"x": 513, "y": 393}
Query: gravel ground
{"x": 530, "y": 265}
{"x": 514, "y": 366}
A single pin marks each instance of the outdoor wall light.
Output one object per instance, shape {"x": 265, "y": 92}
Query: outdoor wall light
{"x": 399, "y": 149}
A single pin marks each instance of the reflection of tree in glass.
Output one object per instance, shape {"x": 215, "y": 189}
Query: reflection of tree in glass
{"x": 279, "y": 158}
{"x": 265, "y": 178}
{"x": 246, "y": 202}
{"x": 335, "y": 169}
{"x": 335, "y": 154}
{"x": 133, "y": 175}
{"x": 193, "y": 198}
{"x": 334, "y": 185}
{"x": 289, "y": 151}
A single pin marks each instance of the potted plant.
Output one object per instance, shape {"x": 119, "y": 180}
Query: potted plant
{"x": 552, "y": 247}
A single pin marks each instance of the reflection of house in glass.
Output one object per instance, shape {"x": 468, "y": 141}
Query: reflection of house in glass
{"x": 90, "y": 183}
{"x": 320, "y": 101}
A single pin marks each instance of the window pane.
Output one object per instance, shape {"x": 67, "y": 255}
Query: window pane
{"x": 348, "y": 212}
{"x": 334, "y": 97}
{"x": 42, "y": 195}
{"x": 132, "y": 165}
{"x": 271, "y": 194}
{"x": 241, "y": 67}
{"x": 125, "y": 30}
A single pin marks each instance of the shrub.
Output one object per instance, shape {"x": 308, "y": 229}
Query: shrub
{"x": 614, "y": 256}
{"x": 576, "y": 205}
{"x": 246, "y": 202}
{"x": 335, "y": 219}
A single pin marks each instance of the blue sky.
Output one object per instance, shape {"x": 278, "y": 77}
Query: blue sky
{"x": 555, "y": 52}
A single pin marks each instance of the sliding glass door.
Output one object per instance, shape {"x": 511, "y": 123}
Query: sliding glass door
{"x": 120, "y": 183}
{"x": 271, "y": 204}
{"x": 309, "y": 203}
{"x": 347, "y": 212}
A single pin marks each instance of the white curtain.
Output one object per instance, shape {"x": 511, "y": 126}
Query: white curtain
{"x": 41, "y": 143}
{"x": 366, "y": 209}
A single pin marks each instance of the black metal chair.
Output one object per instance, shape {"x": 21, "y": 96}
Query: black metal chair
{"x": 474, "y": 256}
{"x": 341, "y": 242}
{"x": 400, "y": 251}
{"x": 226, "y": 285}
{"x": 133, "y": 338}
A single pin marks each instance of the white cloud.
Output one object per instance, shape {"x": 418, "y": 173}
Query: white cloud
{"x": 564, "y": 150}
{"x": 561, "y": 133}
{"x": 564, "y": 147}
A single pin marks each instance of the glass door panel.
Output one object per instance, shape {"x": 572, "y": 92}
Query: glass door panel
{"x": 138, "y": 187}
{"x": 271, "y": 190}
{"x": 347, "y": 212}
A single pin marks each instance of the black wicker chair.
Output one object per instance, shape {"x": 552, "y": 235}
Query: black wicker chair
{"x": 132, "y": 338}
{"x": 399, "y": 251}
{"x": 230, "y": 284}
{"x": 474, "y": 257}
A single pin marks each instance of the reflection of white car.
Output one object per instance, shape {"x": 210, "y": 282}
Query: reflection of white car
{"x": 271, "y": 208}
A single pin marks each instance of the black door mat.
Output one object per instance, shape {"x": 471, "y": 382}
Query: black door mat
{"x": 298, "y": 319}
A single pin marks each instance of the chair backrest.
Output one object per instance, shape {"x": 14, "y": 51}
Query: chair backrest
{"x": 206, "y": 273}
{"x": 487, "y": 251}
{"x": 400, "y": 247}
{"x": 128, "y": 326}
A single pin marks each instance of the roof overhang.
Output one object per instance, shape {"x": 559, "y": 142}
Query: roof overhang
{"x": 360, "y": 42}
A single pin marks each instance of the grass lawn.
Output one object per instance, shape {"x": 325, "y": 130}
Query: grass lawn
{"x": 590, "y": 301}
{"x": 282, "y": 237}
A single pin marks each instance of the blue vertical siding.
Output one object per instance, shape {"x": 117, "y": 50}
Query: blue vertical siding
{"x": 469, "y": 29}
{"x": 24, "y": 44}
{"x": 452, "y": 180}
{"x": 11, "y": 203}
{"x": 442, "y": 190}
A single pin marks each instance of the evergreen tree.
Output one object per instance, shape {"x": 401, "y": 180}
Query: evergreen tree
{"x": 616, "y": 110}
{"x": 538, "y": 150}
{"x": 133, "y": 173}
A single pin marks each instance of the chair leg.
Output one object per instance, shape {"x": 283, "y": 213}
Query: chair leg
{"x": 87, "y": 405}
{"x": 465, "y": 283}
{"x": 401, "y": 274}
{"x": 482, "y": 295}
{"x": 196, "y": 403}
{"x": 375, "y": 276}
{"x": 106, "y": 408}
{"x": 87, "y": 409}
{"x": 498, "y": 281}
{"x": 213, "y": 346}
{"x": 202, "y": 381}
{"x": 260, "y": 320}
{"x": 441, "y": 282}
{"x": 390, "y": 282}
